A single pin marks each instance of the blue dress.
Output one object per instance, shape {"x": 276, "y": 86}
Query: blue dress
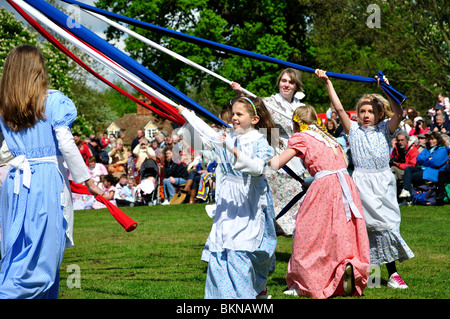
{"x": 242, "y": 242}
{"x": 32, "y": 223}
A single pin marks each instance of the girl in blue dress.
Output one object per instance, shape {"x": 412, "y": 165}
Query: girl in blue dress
{"x": 35, "y": 204}
{"x": 242, "y": 241}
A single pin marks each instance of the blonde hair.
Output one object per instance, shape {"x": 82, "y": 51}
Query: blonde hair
{"x": 307, "y": 115}
{"x": 295, "y": 76}
{"x": 379, "y": 105}
{"x": 23, "y": 87}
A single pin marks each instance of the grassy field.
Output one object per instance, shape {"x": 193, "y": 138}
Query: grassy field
{"x": 161, "y": 258}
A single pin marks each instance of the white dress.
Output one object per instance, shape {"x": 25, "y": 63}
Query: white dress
{"x": 378, "y": 192}
{"x": 242, "y": 241}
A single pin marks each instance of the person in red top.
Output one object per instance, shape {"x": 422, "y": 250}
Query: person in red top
{"x": 84, "y": 150}
{"x": 403, "y": 155}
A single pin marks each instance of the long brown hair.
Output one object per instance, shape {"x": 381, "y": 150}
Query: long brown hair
{"x": 23, "y": 87}
{"x": 295, "y": 76}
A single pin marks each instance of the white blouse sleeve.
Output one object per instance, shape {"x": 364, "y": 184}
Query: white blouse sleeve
{"x": 71, "y": 154}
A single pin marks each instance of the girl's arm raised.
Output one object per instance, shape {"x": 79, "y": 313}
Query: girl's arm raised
{"x": 396, "y": 108}
{"x": 345, "y": 120}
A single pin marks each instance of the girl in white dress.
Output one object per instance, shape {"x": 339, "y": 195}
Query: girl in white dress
{"x": 370, "y": 138}
{"x": 242, "y": 241}
{"x": 281, "y": 107}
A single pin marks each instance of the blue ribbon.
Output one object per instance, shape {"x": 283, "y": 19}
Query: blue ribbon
{"x": 389, "y": 90}
{"x": 117, "y": 55}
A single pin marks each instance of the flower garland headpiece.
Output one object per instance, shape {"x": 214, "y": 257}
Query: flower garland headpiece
{"x": 304, "y": 126}
{"x": 317, "y": 127}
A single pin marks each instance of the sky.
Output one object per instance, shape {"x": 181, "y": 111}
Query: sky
{"x": 95, "y": 25}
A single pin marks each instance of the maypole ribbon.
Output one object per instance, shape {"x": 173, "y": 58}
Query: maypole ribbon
{"x": 389, "y": 90}
{"x": 22, "y": 8}
{"x": 123, "y": 219}
{"x": 121, "y": 58}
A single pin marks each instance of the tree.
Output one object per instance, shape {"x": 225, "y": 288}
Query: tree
{"x": 410, "y": 44}
{"x": 271, "y": 27}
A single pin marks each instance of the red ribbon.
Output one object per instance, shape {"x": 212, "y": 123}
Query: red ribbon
{"x": 119, "y": 215}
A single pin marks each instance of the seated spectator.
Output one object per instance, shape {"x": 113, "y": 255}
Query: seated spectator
{"x": 123, "y": 181}
{"x": 82, "y": 202}
{"x": 333, "y": 128}
{"x": 155, "y": 147}
{"x": 421, "y": 143}
{"x": 125, "y": 192}
{"x": 108, "y": 186}
{"x": 419, "y": 127}
{"x": 443, "y": 102}
{"x": 142, "y": 151}
{"x": 412, "y": 114}
{"x": 121, "y": 138}
{"x": 138, "y": 139}
{"x": 174, "y": 173}
{"x": 96, "y": 169}
{"x": 441, "y": 124}
{"x": 176, "y": 140}
{"x": 104, "y": 140}
{"x": 331, "y": 114}
{"x": 443, "y": 180}
{"x": 403, "y": 155}
{"x": 118, "y": 158}
{"x": 84, "y": 150}
{"x": 195, "y": 168}
{"x": 160, "y": 139}
{"x": 168, "y": 142}
{"x": 430, "y": 161}
{"x": 97, "y": 151}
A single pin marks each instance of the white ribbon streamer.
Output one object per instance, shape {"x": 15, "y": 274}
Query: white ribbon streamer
{"x": 347, "y": 198}
{"x": 113, "y": 66}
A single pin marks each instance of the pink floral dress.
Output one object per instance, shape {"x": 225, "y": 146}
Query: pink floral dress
{"x": 325, "y": 241}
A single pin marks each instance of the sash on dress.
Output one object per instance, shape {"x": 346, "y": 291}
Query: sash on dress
{"x": 347, "y": 198}
{"x": 21, "y": 163}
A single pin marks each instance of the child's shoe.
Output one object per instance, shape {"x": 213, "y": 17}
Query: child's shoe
{"x": 395, "y": 281}
{"x": 291, "y": 292}
{"x": 348, "y": 281}
{"x": 263, "y": 295}
{"x": 404, "y": 194}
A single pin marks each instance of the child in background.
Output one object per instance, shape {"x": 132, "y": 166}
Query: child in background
{"x": 129, "y": 192}
{"x": 36, "y": 208}
{"x": 118, "y": 194}
{"x": 242, "y": 240}
{"x": 108, "y": 186}
{"x": 330, "y": 253}
{"x": 369, "y": 140}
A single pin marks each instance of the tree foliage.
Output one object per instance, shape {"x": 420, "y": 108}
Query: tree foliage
{"x": 270, "y": 27}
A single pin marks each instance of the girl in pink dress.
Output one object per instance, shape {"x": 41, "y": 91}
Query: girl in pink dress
{"x": 330, "y": 253}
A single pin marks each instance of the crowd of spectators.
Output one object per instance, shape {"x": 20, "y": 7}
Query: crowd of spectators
{"x": 146, "y": 172}
{"x": 420, "y": 151}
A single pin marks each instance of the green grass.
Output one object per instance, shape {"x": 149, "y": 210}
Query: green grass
{"x": 161, "y": 258}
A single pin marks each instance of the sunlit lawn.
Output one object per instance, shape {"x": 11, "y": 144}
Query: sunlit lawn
{"x": 161, "y": 258}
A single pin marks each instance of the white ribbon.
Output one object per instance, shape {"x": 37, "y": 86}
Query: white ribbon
{"x": 347, "y": 198}
{"x": 20, "y": 163}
